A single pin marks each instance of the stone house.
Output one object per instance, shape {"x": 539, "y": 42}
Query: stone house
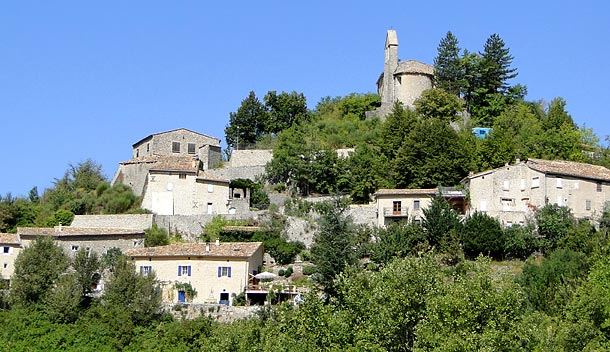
{"x": 395, "y": 205}
{"x": 10, "y": 247}
{"x": 97, "y": 240}
{"x": 402, "y": 81}
{"x": 159, "y": 147}
{"x": 176, "y": 186}
{"x": 216, "y": 271}
{"x": 513, "y": 192}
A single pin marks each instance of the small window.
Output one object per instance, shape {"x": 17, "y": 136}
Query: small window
{"x": 176, "y": 147}
{"x": 191, "y": 148}
{"x": 145, "y": 270}
{"x": 523, "y": 184}
{"x": 599, "y": 186}
{"x": 535, "y": 182}
{"x": 182, "y": 176}
{"x": 396, "y": 206}
{"x": 587, "y": 205}
{"x": 416, "y": 205}
{"x": 506, "y": 185}
{"x": 5, "y": 265}
{"x": 224, "y": 271}
{"x": 137, "y": 153}
{"x": 74, "y": 248}
{"x": 210, "y": 188}
{"x": 6, "y": 249}
{"x": 559, "y": 183}
{"x": 184, "y": 270}
{"x": 147, "y": 147}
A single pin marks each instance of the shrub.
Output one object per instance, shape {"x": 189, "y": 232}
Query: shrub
{"x": 288, "y": 272}
{"x": 281, "y": 272}
{"x": 309, "y": 270}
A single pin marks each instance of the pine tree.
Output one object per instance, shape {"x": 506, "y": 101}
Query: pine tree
{"x": 448, "y": 71}
{"x": 495, "y": 67}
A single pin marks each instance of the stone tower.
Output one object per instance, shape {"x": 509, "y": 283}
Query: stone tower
{"x": 402, "y": 81}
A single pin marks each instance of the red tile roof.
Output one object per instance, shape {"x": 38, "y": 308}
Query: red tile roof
{"x": 570, "y": 168}
{"x": 9, "y": 238}
{"x": 223, "y": 249}
{"x": 391, "y": 192}
{"x": 75, "y": 231}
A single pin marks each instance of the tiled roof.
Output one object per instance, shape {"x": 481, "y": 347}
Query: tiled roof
{"x": 392, "y": 192}
{"x": 162, "y": 162}
{"x": 570, "y": 168}
{"x": 242, "y": 228}
{"x": 413, "y": 66}
{"x": 9, "y": 238}
{"x": 223, "y": 249}
{"x": 75, "y": 231}
{"x": 206, "y": 176}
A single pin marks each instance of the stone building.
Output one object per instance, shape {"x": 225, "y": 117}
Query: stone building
{"x": 402, "y": 81}
{"x": 73, "y": 239}
{"x": 177, "y": 186}
{"x": 395, "y": 205}
{"x": 10, "y": 247}
{"x": 513, "y": 192}
{"x": 216, "y": 271}
{"x": 159, "y": 147}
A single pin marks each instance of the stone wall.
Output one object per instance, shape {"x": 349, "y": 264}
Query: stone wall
{"x": 365, "y": 214}
{"x": 248, "y": 158}
{"x": 218, "y": 312}
{"x": 191, "y": 226}
{"x": 122, "y": 221}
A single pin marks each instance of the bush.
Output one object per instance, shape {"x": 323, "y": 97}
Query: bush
{"x": 281, "y": 272}
{"x": 483, "y": 234}
{"x": 309, "y": 270}
{"x": 288, "y": 272}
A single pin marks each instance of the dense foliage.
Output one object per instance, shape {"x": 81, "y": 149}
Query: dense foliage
{"x": 82, "y": 190}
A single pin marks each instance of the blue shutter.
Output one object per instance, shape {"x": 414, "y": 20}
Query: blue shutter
{"x": 179, "y": 270}
{"x": 189, "y": 270}
{"x": 229, "y": 271}
{"x": 219, "y": 271}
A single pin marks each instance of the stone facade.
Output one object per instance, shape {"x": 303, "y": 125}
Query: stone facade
{"x": 402, "y": 204}
{"x": 73, "y": 239}
{"x": 401, "y": 81}
{"x": 158, "y": 148}
{"x": 217, "y": 271}
{"x": 118, "y": 221}
{"x": 10, "y": 247}
{"x": 513, "y": 192}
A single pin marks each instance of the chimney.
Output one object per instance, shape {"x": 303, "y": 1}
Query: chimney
{"x": 59, "y": 227}
{"x": 217, "y": 242}
{"x": 517, "y": 161}
{"x": 207, "y": 246}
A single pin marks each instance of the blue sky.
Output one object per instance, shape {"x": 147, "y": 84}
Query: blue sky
{"x": 85, "y": 80}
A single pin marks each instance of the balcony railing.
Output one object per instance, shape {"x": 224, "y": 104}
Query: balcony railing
{"x": 391, "y": 212}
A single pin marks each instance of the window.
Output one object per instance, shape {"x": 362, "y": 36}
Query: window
{"x": 191, "y": 148}
{"x": 184, "y": 270}
{"x": 506, "y": 185}
{"x": 587, "y": 205}
{"x": 210, "y": 188}
{"x": 147, "y": 147}
{"x": 535, "y": 182}
{"x": 145, "y": 270}
{"x": 416, "y": 205}
{"x": 224, "y": 271}
{"x": 559, "y": 183}
{"x": 576, "y": 185}
{"x": 523, "y": 184}
{"x": 176, "y": 147}
{"x": 182, "y": 176}
{"x": 396, "y": 206}
{"x": 5, "y": 265}
{"x": 74, "y": 248}
{"x": 210, "y": 209}
{"x": 599, "y": 186}
{"x": 6, "y": 250}
{"x": 137, "y": 153}
{"x": 483, "y": 205}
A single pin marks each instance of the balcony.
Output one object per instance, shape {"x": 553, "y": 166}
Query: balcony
{"x": 390, "y": 212}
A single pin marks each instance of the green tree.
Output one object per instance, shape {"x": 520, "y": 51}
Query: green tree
{"x": 37, "y": 268}
{"x": 246, "y": 125}
{"x": 155, "y": 236}
{"x": 482, "y": 234}
{"x": 495, "y": 68}
{"x": 440, "y": 220}
{"x": 285, "y": 110}
{"x": 448, "y": 68}
{"x": 64, "y": 300}
{"x": 437, "y": 103}
{"x": 368, "y": 171}
{"x": 553, "y": 223}
{"x": 87, "y": 266}
{"x": 135, "y": 295}
{"x": 333, "y": 245}
{"x": 397, "y": 241}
